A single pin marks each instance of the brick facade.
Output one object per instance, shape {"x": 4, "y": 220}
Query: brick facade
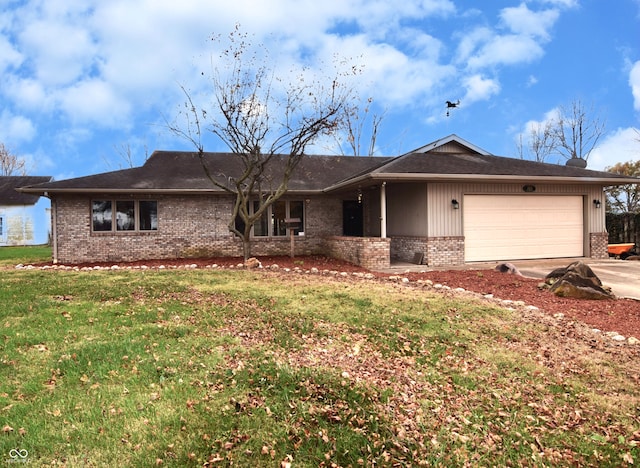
{"x": 196, "y": 226}
{"x": 404, "y": 248}
{"x": 188, "y": 226}
{"x": 436, "y": 251}
{"x": 369, "y": 252}
{"x": 445, "y": 251}
{"x": 598, "y": 242}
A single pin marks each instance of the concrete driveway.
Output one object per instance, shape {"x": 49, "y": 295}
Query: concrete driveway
{"x": 622, "y": 276}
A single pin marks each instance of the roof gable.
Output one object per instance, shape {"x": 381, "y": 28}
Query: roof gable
{"x": 450, "y": 144}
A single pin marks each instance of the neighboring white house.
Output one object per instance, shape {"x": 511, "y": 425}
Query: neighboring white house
{"x": 25, "y": 218}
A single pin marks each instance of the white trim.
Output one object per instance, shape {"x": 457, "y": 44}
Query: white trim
{"x": 448, "y": 139}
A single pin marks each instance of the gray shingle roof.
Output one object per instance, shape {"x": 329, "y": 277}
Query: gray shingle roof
{"x": 9, "y": 196}
{"x": 175, "y": 171}
{"x": 178, "y": 171}
{"x": 463, "y": 163}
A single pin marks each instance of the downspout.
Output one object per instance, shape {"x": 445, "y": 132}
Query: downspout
{"x": 54, "y": 229}
{"x": 383, "y": 210}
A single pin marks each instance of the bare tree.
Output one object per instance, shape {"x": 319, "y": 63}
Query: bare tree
{"x": 267, "y": 121}
{"x": 126, "y": 155}
{"x": 541, "y": 142}
{"x": 576, "y": 131}
{"x": 10, "y": 164}
{"x": 355, "y": 131}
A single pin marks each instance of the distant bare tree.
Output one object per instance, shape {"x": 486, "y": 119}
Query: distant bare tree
{"x": 261, "y": 116}
{"x": 541, "y": 142}
{"x": 127, "y": 156}
{"x": 354, "y": 127}
{"x": 10, "y": 164}
{"x": 576, "y": 131}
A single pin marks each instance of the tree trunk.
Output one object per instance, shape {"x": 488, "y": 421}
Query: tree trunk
{"x": 246, "y": 247}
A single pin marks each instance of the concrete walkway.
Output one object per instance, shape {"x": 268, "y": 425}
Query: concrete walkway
{"x": 622, "y": 276}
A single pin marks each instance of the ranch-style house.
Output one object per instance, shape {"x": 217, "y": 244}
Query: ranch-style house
{"x": 446, "y": 203}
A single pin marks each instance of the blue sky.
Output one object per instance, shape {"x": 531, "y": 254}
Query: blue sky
{"x": 82, "y": 80}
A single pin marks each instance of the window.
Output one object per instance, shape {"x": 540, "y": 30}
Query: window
{"x": 124, "y": 215}
{"x": 148, "y": 215}
{"x": 273, "y": 220}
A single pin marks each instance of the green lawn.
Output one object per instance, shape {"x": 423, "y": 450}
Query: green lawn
{"x": 11, "y": 256}
{"x": 214, "y": 368}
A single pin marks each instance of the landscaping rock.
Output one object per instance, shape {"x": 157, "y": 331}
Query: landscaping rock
{"x": 508, "y": 268}
{"x": 579, "y": 268}
{"x": 577, "y": 281}
{"x": 252, "y": 263}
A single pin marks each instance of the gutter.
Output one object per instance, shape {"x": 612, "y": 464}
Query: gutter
{"x": 47, "y": 192}
{"x": 404, "y": 177}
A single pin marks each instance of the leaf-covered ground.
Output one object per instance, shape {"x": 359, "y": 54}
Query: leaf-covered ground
{"x": 273, "y": 368}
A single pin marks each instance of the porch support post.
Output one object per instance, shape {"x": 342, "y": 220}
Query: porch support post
{"x": 383, "y": 210}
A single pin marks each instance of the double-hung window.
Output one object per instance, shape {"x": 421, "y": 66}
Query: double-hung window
{"x": 124, "y": 215}
{"x": 273, "y": 220}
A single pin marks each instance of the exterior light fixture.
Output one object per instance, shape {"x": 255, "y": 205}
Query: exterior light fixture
{"x": 455, "y": 203}
{"x": 597, "y": 203}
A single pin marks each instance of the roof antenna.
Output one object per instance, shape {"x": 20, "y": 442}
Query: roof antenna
{"x": 452, "y": 105}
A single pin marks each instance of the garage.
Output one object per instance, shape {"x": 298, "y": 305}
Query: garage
{"x": 517, "y": 227}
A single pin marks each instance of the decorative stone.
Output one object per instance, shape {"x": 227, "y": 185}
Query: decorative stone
{"x": 252, "y": 263}
{"x": 508, "y": 268}
{"x": 577, "y": 281}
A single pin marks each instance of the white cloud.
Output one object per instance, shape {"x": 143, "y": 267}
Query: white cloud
{"x": 470, "y": 41}
{"x": 59, "y": 53}
{"x": 634, "y": 82}
{"x": 521, "y": 20}
{"x": 562, "y": 3}
{"x": 96, "y": 102}
{"x": 506, "y": 50}
{"x": 28, "y": 94}
{"x": 620, "y": 146}
{"x": 528, "y": 31}
{"x": 15, "y": 128}
{"x": 106, "y": 63}
{"x": 9, "y": 56}
{"x": 479, "y": 88}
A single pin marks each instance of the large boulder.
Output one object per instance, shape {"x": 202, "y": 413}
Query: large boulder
{"x": 577, "y": 281}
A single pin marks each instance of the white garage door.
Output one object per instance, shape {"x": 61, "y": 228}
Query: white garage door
{"x": 504, "y": 227}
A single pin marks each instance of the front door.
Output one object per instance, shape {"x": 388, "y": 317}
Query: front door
{"x": 352, "y": 218}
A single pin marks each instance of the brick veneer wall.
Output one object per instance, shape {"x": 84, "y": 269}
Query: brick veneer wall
{"x": 369, "y": 252}
{"x": 437, "y": 251}
{"x": 404, "y": 248}
{"x": 445, "y": 251}
{"x": 188, "y": 226}
{"x": 598, "y": 242}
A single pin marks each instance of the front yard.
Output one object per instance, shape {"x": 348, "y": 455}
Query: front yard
{"x": 220, "y": 367}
